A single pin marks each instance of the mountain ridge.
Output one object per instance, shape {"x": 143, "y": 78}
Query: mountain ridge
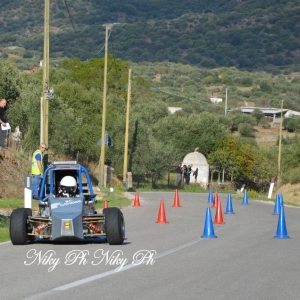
{"x": 250, "y": 35}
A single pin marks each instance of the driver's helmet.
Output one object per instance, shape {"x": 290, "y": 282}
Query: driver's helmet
{"x": 67, "y": 187}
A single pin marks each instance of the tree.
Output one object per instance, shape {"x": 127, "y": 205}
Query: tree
{"x": 246, "y": 130}
{"x": 10, "y": 82}
{"x": 257, "y": 114}
{"x": 236, "y": 117}
{"x": 90, "y": 74}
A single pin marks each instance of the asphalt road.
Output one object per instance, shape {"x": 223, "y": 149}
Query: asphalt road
{"x": 166, "y": 261}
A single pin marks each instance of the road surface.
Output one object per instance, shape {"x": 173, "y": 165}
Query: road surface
{"x": 166, "y": 260}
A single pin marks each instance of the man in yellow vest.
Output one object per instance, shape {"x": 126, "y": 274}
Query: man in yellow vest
{"x": 37, "y": 169}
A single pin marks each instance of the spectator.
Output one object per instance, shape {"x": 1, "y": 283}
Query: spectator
{"x": 109, "y": 170}
{"x": 179, "y": 174}
{"x": 37, "y": 169}
{"x": 195, "y": 174}
{"x": 3, "y": 122}
{"x": 187, "y": 175}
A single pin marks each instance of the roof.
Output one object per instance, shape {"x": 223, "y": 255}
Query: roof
{"x": 266, "y": 111}
{"x": 195, "y": 158}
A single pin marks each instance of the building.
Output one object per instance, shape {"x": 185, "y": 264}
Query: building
{"x": 272, "y": 114}
{"x": 197, "y": 160}
{"x": 173, "y": 109}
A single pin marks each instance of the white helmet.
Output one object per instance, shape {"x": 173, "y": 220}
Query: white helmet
{"x": 68, "y": 184}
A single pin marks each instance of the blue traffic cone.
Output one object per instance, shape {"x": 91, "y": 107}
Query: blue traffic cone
{"x": 210, "y": 197}
{"x": 208, "y": 231}
{"x": 281, "y": 227}
{"x": 277, "y": 205}
{"x": 281, "y": 198}
{"x": 245, "y": 198}
{"x": 229, "y": 209}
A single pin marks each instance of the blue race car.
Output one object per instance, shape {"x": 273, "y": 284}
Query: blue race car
{"x": 67, "y": 211}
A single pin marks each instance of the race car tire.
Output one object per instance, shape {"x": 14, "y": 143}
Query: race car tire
{"x": 29, "y": 211}
{"x": 114, "y": 226}
{"x": 18, "y": 226}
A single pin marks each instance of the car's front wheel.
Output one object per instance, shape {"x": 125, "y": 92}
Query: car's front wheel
{"x": 18, "y": 226}
{"x": 114, "y": 226}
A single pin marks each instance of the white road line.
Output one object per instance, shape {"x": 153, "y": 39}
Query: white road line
{"x": 108, "y": 273}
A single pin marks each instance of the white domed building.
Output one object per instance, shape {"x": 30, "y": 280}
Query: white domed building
{"x": 198, "y": 161}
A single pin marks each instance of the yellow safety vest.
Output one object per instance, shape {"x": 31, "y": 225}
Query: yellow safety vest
{"x": 34, "y": 166}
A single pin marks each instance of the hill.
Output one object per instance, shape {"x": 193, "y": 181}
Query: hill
{"x": 253, "y": 35}
{"x": 12, "y": 177}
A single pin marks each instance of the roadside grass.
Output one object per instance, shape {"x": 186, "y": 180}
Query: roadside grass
{"x": 116, "y": 198}
{"x": 11, "y": 204}
{"x": 4, "y": 228}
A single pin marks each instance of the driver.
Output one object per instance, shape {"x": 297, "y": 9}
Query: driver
{"x": 67, "y": 187}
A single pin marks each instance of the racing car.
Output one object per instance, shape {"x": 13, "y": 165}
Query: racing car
{"x": 67, "y": 211}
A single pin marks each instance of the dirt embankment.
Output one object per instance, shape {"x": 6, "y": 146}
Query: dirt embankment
{"x": 13, "y": 168}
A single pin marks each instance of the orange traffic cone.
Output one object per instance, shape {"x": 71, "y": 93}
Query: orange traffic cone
{"x": 176, "y": 199}
{"x": 216, "y": 200}
{"x": 105, "y": 204}
{"x": 219, "y": 214}
{"x": 161, "y": 213}
{"x": 136, "y": 202}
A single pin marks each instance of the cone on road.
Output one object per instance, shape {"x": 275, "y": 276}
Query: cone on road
{"x": 216, "y": 200}
{"x": 208, "y": 231}
{"x": 277, "y": 205}
{"x": 245, "y": 198}
{"x": 161, "y": 218}
{"x": 229, "y": 209}
{"x": 219, "y": 214}
{"x": 210, "y": 197}
{"x": 105, "y": 205}
{"x": 136, "y": 201}
{"x": 281, "y": 198}
{"x": 176, "y": 199}
{"x": 281, "y": 226}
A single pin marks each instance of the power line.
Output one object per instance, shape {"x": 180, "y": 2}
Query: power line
{"x": 67, "y": 8}
{"x": 165, "y": 92}
{"x": 104, "y": 43}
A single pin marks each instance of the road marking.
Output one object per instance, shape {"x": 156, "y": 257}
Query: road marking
{"x": 107, "y": 273}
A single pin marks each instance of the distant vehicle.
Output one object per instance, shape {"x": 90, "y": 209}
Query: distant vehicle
{"x": 67, "y": 211}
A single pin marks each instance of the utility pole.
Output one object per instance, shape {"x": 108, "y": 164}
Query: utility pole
{"x": 103, "y": 137}
{"x": 226, "y": 103}
{"x": 44, "y": 99}
{"x": 279, "y": 148}
{"x": 127, "y": 128}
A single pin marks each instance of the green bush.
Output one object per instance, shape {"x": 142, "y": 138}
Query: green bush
{"x": 252, "y": 194}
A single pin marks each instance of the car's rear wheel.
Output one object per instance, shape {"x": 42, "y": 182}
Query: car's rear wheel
{"x": 114, "y": 226}
{"x": 18, "y": 226}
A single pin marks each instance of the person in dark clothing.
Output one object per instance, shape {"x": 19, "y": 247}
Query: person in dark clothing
{"x": 3, "y": 122}
{"x": 187, "y": 174}
{"x": 179, "y": 174}
{"x": 195, "y": 174}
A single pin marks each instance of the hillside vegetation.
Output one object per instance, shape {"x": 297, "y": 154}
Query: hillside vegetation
{"x": 181, "y": 54}
{"x": 157, "y": 138}
{"x": 252, "y": 35}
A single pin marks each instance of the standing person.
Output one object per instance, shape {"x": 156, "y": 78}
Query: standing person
{"x": 179, "y": 174}
{"x": 37, "y": 169}
{"x": 195, "y": 174}
{"x": 188, "y": 172}
{"x": 3, "y": 121}
{"x": 109, "y": 171}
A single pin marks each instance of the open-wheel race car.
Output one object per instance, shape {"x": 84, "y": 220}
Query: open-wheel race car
{"x": 67, "y": 211}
